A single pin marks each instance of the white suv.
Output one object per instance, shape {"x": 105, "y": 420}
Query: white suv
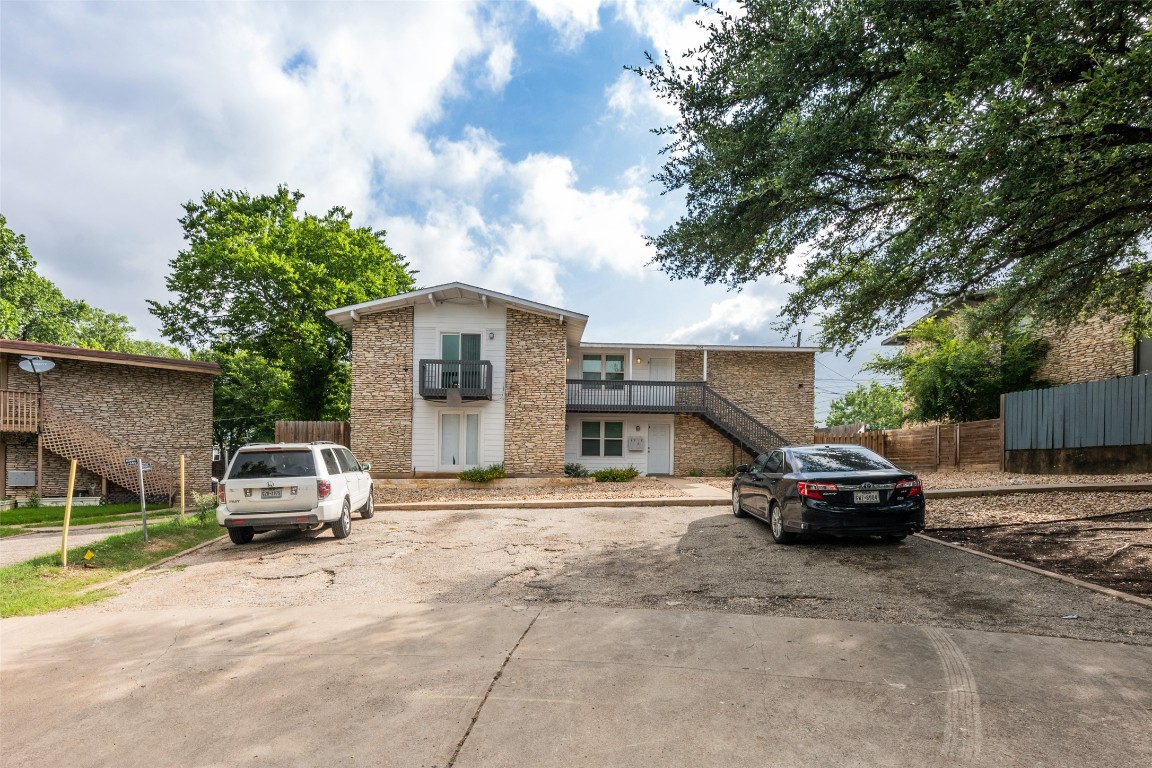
{"x": 293, "y": 486}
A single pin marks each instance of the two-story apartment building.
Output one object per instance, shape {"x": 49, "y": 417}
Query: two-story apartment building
{"x": 455, "y": 376}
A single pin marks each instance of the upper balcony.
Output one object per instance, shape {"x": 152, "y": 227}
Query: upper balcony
{"x": 19, "y": 411}
{"x": 598, "y": 396}
{"x": 472, "y": 379}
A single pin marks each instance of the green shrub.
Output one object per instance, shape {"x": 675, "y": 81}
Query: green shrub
{"x": 205, "y": 504}
{"x": 695, "y": 473}
{"x": 483, "y": 474}
{"x": 728, "y": 470}
{"x": 615, "y": 475}
{"x": 33, "y": 500}
{"x": 572, "y": 469}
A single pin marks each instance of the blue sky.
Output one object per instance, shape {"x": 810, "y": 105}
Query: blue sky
{"x": 500, "y": 144}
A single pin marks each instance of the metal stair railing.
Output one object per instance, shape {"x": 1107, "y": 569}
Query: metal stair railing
{"x": 739, "y": 424}
{"x": 97, "y": 452}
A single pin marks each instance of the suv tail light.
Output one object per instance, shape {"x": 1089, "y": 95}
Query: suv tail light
{"x": 323, "y": 489}
{"x": 815, "y": 490}
{"x": 220, "y": 492}
{"x": 914, "y": 487}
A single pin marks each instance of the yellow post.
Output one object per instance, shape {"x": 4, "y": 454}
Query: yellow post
{"x": 181, "y": 487}
{"x": 67, "y": 516}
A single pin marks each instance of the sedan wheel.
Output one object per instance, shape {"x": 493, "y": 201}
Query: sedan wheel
{"x": 736, "y": 508}
{"x": 776, "y": 520}
{"x": 342, "y": 527}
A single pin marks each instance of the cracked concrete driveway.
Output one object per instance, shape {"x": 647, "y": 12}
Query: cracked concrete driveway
{"x": 638, "y": 637}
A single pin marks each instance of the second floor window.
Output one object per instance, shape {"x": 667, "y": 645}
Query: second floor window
{"x": 602, "y": 368}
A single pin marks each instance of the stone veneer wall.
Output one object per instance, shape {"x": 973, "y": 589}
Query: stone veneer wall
{"x": 535, "y": 394}
{"x": 700, "y": 449}
{"x": 161, "y": 413}
{"x": 1093, "y": 349}
{"x": 382, "y": 386}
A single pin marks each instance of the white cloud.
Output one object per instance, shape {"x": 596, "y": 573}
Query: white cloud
{"x": 572, "y": 19}
{"x": 744, "y": 318}
{"x": 499, "y": 64}
{"x": 630, "y": 96}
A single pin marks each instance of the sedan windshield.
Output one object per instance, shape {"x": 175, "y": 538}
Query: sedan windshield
{"x": 838, "y": 458}
{"x": 251, "y": 464}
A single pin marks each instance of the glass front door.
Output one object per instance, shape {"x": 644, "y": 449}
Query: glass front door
{"x": 459, "y": 440}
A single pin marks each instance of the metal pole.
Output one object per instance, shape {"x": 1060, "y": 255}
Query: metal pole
{"x": 181, "y": 487}
{"x": 67, "y": 516}
{"x": 143, "y": 508}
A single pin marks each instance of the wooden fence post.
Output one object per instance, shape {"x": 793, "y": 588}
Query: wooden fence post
{"x": 1003, "y": 461}
{"x": 956, "y": 457}
{"x": 937, "y": 467}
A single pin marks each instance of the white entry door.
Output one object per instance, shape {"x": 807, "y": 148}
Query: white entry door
{"x": 660, "y": 449}
{"x": 459, "y": 441}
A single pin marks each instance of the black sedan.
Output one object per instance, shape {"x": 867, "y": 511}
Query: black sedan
{"x": 842, "y": 490}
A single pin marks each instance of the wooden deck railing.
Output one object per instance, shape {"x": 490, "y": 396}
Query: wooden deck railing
{"x": 19, "y": 411}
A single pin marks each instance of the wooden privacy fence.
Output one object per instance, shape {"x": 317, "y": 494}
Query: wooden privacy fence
{"x": 313, "y": 431}
{"x": 1111, "y": 412}
{"x": 973, "y": 445}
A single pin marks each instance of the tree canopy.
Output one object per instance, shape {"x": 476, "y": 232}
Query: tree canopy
{"x": 248, "y": 396}
{"x": 877, "y": 405}
{"x": 952, "y": 372}
{"x": 33, "y": 308}
{"x": 257, "y": 275}
{"x": 883, "y": 155}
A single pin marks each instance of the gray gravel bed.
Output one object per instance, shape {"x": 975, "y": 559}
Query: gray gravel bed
{"x": 666, "y": 558}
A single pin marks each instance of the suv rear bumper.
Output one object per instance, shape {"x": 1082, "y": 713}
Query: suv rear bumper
{"x": 279, "y": 522}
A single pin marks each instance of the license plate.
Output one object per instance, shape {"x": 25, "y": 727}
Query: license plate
{"x": 271, "y": 493}
{"x": 866, "y": 497}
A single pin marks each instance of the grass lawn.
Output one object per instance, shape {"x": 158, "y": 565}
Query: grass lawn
{"x": 80, "y": 515}
{"x": 5, "y": 531}
{"x": 158, "y": 516}
{"x": 40, "y": 585}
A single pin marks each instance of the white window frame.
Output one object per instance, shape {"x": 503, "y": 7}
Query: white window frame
{"x": 601, "y": 438}
{"x": 463, "y": 414}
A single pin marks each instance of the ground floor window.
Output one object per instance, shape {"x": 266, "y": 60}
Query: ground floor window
{"x": 602, "y": 438}
{"x": 459, "y": 439}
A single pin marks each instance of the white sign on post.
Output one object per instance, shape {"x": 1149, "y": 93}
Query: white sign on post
{"x": 130, "y": 462}
{"x": 147, "y": 467}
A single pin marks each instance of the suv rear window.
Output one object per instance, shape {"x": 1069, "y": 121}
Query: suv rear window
{"x": 839, "y": 458}
{"x": 249, "y": 464}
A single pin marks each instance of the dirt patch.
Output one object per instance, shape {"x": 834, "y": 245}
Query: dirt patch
{"x": 1112, "y": 550}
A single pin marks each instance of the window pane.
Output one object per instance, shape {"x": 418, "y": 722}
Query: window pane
{"x": 590, "y": 429}
{"x": 347, "y": 462}
{"x": 450, "y": 346}
{"x": 449, "y": 439}
{"x": 590, "y": 447}
{"x": 472, "y": 439}
{"x": 614, "y": 367}
{"x": 613, "y": 447}
{"x": 839, "y": 458}
{"x": 614, "y": 429}
{"x": 591, "y": 367}
{"x": 330, "y": 462}
{"x": 469, "y": 346}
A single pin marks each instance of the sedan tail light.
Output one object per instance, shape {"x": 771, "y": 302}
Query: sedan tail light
{"x": 816, "y": 490}
{"x": 914, "y": 487}
{"x": 220, "y": 492}
{"x": 323, "y": 489}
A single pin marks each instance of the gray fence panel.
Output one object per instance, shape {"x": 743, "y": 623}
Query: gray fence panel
{"x": 1112, "y": 412}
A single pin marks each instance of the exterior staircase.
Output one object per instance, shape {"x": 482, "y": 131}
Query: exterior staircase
{"x": 97, "y": 452}
{"x": 696, "y": 397}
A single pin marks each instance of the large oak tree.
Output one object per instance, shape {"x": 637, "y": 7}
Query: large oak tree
{"x": 258, "y": 274}
{"x": 916, "y": 152}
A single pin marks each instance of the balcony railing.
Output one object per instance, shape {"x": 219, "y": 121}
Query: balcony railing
{"x": 19, "y": 411}
{"x": 674, "y": 397}
{"x": 472, "y": 378}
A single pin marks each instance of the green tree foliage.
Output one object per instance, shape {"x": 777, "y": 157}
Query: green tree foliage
{"x": 877, "y": 405}
{"x": 247, "y": 398}
{"x": 954, "y": 373}
{"x": 33, "y": 308}
{"x": 257, "y": 275}
{"x": 916, "y": 152}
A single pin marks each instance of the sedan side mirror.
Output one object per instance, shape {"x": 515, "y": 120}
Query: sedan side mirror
{"x": 743, "y": 468}
{"x": 366, "y": 466}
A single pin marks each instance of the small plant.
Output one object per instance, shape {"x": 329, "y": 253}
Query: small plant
{"x": 483, "y": 474}
{"x": 572, "y": 469}
{"x": 205, "y": 505}
{"x": 33, "y": 500}
{"x": 615, "y": 474}
{"x": 695, "y": 473}
{"x": 728, "y": 470}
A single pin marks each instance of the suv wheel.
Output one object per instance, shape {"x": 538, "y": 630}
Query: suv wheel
{"x": 368, "y": 510}
{"x": 242, "y": 535}
{"x": 343, "y": 526}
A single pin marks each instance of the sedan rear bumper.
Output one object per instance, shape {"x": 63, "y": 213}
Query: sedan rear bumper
{"x": 897, "y": 520}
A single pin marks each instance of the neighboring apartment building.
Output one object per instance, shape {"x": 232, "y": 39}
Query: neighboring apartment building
{"x": 456, "y": 376}
{"x": 100, "y": 408}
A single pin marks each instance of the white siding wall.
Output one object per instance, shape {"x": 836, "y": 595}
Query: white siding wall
{"x": 631, "y": 421}
{"x": 428, "y": 323}
{"x": 633, "y": 371}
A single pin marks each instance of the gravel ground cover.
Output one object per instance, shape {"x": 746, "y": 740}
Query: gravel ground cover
{"x": 639, "y": 488}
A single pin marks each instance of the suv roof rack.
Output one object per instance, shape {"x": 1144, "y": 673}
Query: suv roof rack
{"x": 323, "y": 442}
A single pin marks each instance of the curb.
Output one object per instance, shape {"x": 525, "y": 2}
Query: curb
{"x": 158, "y": 563}
{"x": 1007, "y": 490}
{"x": 685, "y": 501}
{"x": 1040, "y": 571}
